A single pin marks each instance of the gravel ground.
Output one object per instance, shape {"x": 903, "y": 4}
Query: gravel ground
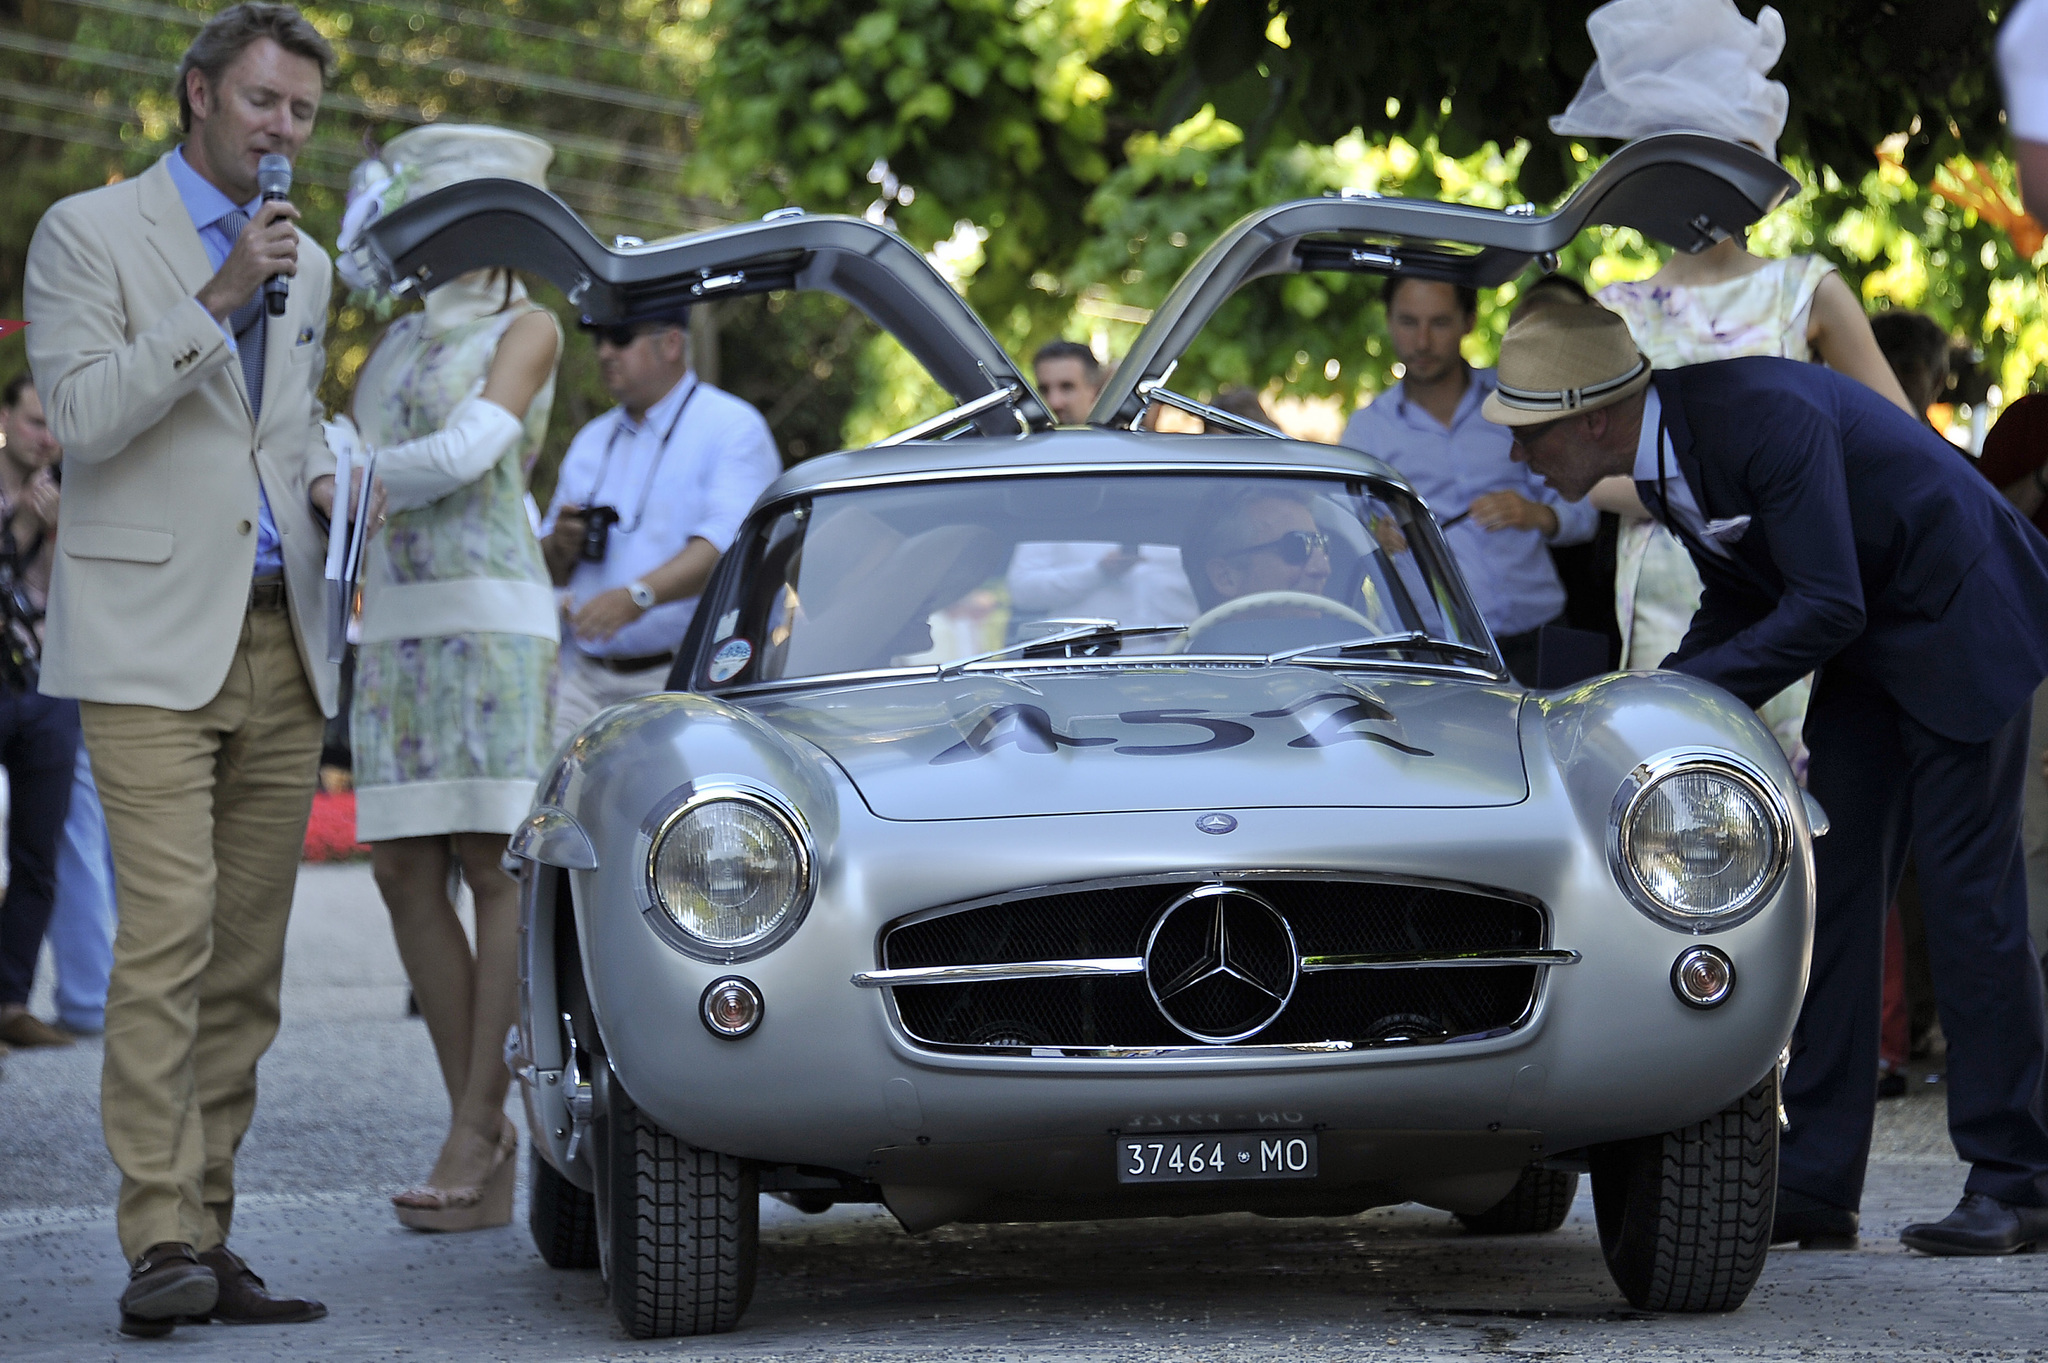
{"x": 352, "y": 1108}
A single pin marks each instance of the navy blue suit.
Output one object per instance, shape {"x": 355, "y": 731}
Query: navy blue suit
{"x": 1877, "y": 556}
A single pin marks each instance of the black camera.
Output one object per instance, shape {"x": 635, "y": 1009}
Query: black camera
{"x": 597, "y": 532}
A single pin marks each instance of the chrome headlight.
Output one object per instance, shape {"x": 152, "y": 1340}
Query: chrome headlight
{"x": 729, "y": 868}
{"x": 1699, "y": 840}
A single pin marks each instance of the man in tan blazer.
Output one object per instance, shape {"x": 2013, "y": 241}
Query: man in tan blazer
{"x": 186, "y": 615}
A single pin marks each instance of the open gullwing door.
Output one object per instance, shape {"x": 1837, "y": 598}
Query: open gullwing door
{"x": 1688, "y": 190}
{"x": 489, "y": 223}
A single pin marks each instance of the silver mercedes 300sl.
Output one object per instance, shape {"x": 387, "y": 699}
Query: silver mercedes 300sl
{"x": 945, "y": 879}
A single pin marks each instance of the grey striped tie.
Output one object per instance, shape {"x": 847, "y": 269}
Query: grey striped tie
{"x": 250, "y": 322}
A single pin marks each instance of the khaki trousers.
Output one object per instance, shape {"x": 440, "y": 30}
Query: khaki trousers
{"x": 206, "y": 811}
{"x": 582, "y": 688}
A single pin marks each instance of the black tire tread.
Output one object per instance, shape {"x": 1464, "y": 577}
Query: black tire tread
{"x": 685, "y": 1231}
{"x": 561, "y": 1216}
{"x": 1538, "y": 1203}
{"x": 1685, "y": 1217}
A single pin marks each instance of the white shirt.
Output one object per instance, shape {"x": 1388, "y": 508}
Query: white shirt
{"x": 2023, "y": 67}
{"x": 691, "y": 469}
{"x": 1066, "y": 579}
{"x": 1682, "y": 508}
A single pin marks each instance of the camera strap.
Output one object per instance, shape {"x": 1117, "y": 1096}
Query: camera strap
{"x": 653, "y": 467}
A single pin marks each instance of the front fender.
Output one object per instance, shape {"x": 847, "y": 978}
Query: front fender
{"x": 627, "y": 766}
{"x": 1594, "y": 735}
{"x": 589, "y": 824}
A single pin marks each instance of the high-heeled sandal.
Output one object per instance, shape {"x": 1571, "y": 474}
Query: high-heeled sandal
{"x": 478, "y": 1207}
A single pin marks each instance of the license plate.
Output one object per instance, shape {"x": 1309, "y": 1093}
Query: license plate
{"x": 1209, "y": 1159}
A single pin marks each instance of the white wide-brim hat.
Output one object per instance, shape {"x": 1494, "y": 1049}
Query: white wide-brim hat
{"x": 1680, "y": 66}
{"x": 422, "y": 160}
{"x": 1557, "y": 361}
{"x": 442, "y": 154}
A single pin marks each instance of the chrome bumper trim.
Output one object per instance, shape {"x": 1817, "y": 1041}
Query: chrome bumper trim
{"x": 1439, "y": 960}
{"x": 1108, "y": 966}
{"x": 1013, "y": 970}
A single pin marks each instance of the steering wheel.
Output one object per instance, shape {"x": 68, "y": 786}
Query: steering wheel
{"x": 1246, "y": 605}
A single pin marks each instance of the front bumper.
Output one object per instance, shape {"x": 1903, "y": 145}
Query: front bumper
{"x": 831, "y": 1081}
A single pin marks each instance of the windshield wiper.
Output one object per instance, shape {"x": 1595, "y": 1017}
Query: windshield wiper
{"x": 1413, "y": 638}
{"x": 1091, "y": 630}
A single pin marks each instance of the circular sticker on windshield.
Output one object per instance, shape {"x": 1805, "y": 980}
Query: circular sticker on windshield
{"x": 730, "y": 660}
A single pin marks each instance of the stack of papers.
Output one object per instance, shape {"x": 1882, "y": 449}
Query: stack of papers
{"x": 354, "y": 475}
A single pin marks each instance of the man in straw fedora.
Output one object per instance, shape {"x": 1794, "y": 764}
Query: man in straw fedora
{"x": 1836, "y": 534}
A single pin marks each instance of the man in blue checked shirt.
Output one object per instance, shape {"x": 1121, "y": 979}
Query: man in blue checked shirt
{"x": 1498, "y": 517}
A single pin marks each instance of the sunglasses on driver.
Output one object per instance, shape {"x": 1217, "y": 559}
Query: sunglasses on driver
{"x": 1295, "y": 548}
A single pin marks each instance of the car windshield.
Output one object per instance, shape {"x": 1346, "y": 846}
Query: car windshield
{"x": 1105, "y": 569}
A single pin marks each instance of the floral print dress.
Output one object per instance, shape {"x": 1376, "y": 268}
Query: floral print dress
{"x": 451, "y": 713}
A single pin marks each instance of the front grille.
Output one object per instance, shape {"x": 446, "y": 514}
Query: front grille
{"x": 1361, "y": 1008}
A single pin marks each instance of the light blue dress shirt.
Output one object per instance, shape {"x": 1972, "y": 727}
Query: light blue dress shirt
{"x": 207, "y": 206}
{"x": 1509, "y": 572}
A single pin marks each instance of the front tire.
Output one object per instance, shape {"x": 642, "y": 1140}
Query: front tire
{"x": 1685, "y": 1217}
{"x": 681, "y": 1228}
{"x": 562, "y": 1217}
{"x": 1538, "y": 1203}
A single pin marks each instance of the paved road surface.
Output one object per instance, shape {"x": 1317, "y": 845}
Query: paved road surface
{"x": 351, "y": 1108}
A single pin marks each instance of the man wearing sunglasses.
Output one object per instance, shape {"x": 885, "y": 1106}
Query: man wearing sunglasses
{"x": 1265, "y": 542}
{"x": 649, "y": 495}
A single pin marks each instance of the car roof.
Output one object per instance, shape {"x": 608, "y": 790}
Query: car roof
{"x": 1076, "y": 450}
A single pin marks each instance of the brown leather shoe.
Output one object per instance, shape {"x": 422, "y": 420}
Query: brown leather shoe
{"x": 166, "y": 1284}
{"x": 19, "y": 1027}
{"x": 243, "y": 1300}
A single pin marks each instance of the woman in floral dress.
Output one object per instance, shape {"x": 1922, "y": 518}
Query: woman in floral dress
{"x": 451, "y": 711}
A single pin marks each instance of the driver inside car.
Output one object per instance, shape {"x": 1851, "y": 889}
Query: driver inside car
{"x": 1261, "y": 564}
{"x": 1264, "y": 540}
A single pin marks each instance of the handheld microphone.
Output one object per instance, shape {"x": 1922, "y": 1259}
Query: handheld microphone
{"x": 274, "y": 182}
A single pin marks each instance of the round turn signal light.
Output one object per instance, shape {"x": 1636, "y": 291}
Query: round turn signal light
{"x": 731, "y": 1007}
{"x": 1702, "y": 977}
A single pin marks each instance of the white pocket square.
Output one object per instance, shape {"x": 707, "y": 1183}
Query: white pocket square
{"x": 1727, "y": 529}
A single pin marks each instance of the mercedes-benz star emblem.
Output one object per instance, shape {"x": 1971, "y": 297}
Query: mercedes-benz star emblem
{"x": 1216, "y": 823}
{"x": 1221, "y": 963}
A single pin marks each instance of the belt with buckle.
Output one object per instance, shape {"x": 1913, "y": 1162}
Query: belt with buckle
{"x": 266, "y": 594}
{"x": 640, "y": 664}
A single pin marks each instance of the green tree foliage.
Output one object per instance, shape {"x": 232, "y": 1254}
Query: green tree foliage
{"x": 1062, "y": 160}
{"x": 998, "y": 113}
{"x": 1857, "y": 71}
{"x": 1198, "y": 113}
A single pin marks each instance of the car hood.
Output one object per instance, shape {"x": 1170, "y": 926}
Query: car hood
{"x": 988, "y": 745}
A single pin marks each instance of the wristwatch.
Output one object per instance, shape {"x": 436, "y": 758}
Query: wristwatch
{"x": 642, "y": 594}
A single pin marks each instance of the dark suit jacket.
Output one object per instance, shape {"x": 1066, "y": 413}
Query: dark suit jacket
{"x": 1873, "y": 545}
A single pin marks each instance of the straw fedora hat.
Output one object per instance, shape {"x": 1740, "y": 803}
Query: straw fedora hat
{"x": 1556, "y": 361}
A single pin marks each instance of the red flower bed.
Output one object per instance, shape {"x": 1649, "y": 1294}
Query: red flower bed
{"x": 331, "y": 831}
